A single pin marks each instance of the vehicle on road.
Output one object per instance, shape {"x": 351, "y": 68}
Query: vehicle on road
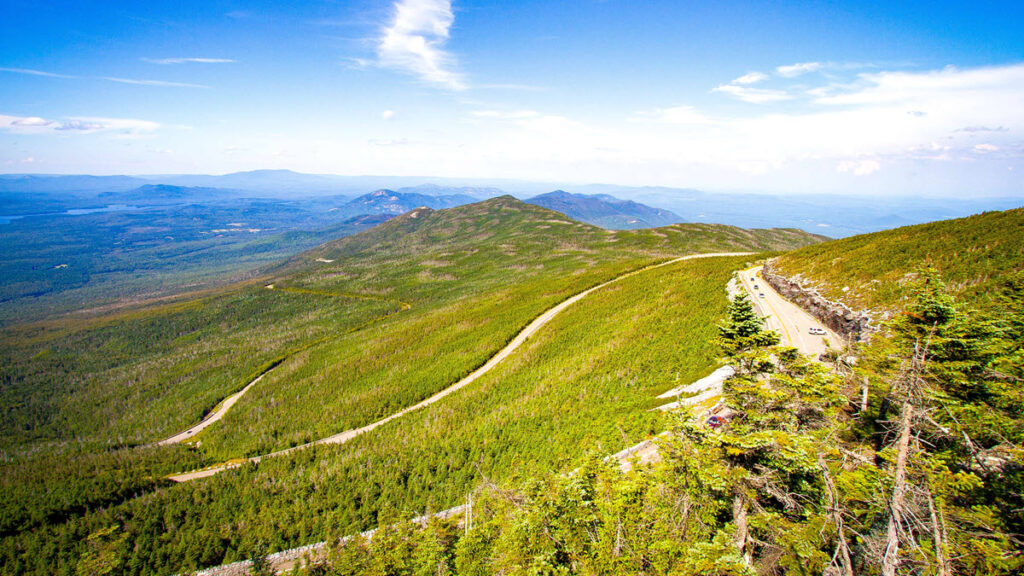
{"x": 761, "y": 295}
{"x": 816, "y": 331}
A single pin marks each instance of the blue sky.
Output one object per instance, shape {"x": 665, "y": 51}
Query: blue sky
{"x": 869, "y": 98}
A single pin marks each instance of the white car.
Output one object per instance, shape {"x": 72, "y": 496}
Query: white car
{"x": 816, "y": 331}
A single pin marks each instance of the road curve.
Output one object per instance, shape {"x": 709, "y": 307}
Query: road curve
{"x": 211, "y": 417}
{"x": 792, "y": 322}
{"x": 230, "y": 401}
{"x": 516, "y": 342}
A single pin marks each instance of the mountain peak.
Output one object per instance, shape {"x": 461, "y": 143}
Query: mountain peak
{"x": 604, "y": 210}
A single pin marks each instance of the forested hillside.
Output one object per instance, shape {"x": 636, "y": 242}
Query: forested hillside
{"x": 876, "y": 271}
{"x": 909, "y": 461}
{"x": 345, "y": 334}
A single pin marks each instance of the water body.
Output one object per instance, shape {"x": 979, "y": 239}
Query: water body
{"x": 73, "y": 212}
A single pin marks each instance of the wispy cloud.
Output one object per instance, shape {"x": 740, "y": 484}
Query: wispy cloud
{"x": 751, "y": 78}
{"x": 677, "y": 115}
{"x": 33, "y": 121}
{"x": 188, "y": 60}
{"x": 794, "y": 70}
{"x": 415, "y": 41}
{"x": 511, "y": 87}
{"x": 753, "y": 95}
{"x": 506, "y": 114}
{"x": 983, "y": 129}
{"x": 859, "y": 167}
{"x": 76, "y": 125}
{"x": 30, "y": 72}
{"x": 162, "y": 83}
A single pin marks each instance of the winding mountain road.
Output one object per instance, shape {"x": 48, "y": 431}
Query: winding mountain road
{"x": 230, "y": 401}
{"x": 792, "y": 323}
{"x": 509, "y": 348}
{"x": 212, "y": 417}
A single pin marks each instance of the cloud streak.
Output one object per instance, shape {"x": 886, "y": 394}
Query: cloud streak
{"x": 753, "y": 95}
{"x": 76, "y": 125}
{"x": 798, "y": 69}
{"x": 166, "y": 61}
{"x": 30, "y": 72}
{"x": 161, "y": 83}
{"x": 415, "y": 41}
{"x": 750, "y": 78}
{"x": 41, "y": 73}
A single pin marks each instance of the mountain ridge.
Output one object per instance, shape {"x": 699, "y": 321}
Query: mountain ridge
{"x": 605, "y": 210}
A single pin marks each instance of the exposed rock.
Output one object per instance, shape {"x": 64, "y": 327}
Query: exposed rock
{"x": 837, "y": 316}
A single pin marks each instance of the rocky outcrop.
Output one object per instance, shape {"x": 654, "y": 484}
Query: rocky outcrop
{"x": 837, "y": 316}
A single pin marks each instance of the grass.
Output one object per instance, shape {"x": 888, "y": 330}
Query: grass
{"x": 438, "y": 293}
{"x": 872, "y": 271}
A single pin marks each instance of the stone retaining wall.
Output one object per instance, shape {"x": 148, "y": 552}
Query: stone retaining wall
{"x": 847, "y": 323}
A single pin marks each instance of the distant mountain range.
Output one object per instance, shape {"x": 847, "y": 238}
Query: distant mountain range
{"x": 395, "y": 203}
{"x": 605, "y": 211}
{"x": 150, "y": 194}
{"x": 605, "y": 205}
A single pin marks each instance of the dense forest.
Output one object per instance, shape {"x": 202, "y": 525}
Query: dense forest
{"x": 908, "y": 461}
{"x": 343, "y": 335}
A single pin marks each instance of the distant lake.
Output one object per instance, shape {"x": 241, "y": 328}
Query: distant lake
{"x": 73, "y": 212}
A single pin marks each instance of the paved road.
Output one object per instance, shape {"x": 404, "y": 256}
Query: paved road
{"x": 525, "y": 333}
{"x": 211, "y": 417}
{"x": 791, "y": 321}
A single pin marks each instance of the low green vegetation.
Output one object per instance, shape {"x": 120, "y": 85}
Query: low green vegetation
{"x": 924, "y": 475}
{"x": 353, "y": 330}
{"x": 876, "y": 271}
{"x": 474, "y": 276}
{"x": 145, "y": 375}
{"x": 586, "y": 382}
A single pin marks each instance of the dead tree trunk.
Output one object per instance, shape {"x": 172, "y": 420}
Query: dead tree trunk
{"x": 843, "y": 548}
{"x": 892, "y": 548}
{"x": 739, "y": 516}
{"x": 939, "y": 535}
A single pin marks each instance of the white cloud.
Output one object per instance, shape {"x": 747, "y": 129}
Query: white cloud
{"x": 754, "y": 95}
{"x": 985, "y": 148}
{"x": 162, "y": 83}
{"x": 188, "y": 60}
{"x": 797, "y": 69}
{"x": 982, "y": 129}
{"x": 31, "y": 121}
{"x": 30, "y": 72}
{"x": 907, "y": 88}
{"x": 415, "y": 42}
{"x": 679, "y": 115}
{"x": 76, "y": 125}
{"x": 506, "y": 115}
{"x": 859, "y": 167}
{"x": 79, "y": 125}
{"x": 750, "y": 78}
{"x": 387, "y": 115}
{"x": 388, "y": 141}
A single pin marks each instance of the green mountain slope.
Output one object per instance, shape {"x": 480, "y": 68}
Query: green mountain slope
{"x": 874, "y": 271}
{"x": 355, "y": 329}
{"x": 473, "y": 277}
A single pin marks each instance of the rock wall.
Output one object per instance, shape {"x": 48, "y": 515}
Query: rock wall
{"x": 845, "y": 322}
